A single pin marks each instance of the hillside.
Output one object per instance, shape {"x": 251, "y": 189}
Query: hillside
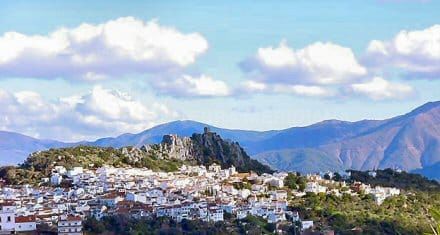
{"x": 300, "y": 160}
{"x": 171, "y": 153}
{"x": 402, "y": 180}
{"x": 408, "y": 142}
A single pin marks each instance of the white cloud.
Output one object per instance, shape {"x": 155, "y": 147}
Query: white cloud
{"x": 254, "y": 86}
{"x": 326, "y": 70}
{"x": 301, "y": 90}
{"x": 101, "y": 112}
{"x": 380, "y": 89}
{"x": 192, "y": 86}
{"x": 415, "y": 52}
{"x": 250, "y": 86}
{"x": 94, "y": 52}
{"x": 316, "y": 64}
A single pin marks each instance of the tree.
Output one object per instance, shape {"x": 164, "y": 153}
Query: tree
{"x": 290, "y": 181}
{"x": 94, "y": 226}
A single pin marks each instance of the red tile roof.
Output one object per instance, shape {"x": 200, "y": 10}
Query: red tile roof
{"x": 25, "y": 219}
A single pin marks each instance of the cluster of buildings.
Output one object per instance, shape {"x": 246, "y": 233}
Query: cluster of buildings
{"x": 318, "y": 184}
{"x": 379, "y": 193}
{"x": 193, "y": 192}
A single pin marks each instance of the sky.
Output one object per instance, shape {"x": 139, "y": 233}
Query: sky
{"x": 80, "y": 70}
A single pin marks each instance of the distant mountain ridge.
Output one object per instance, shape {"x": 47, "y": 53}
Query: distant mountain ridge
{"x": 16, "y": 147}
{"x": 410, "y": 142}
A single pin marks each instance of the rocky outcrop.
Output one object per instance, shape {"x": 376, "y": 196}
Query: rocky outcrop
{"x": 206, "y": 148}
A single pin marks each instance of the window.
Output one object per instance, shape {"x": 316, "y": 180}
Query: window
{"x": 9, "y": 219}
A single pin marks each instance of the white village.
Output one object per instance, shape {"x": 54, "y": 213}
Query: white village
{"x": 191, "y": 193}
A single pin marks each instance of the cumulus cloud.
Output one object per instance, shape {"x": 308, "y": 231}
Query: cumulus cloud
{"x": 95, "y": 52}
{"x": 101, "y": 112}
{"x": 312, "y": 71}
{"x": 192, "y": 86}
{"x": 415, "y": 52}
{"x": 321, "y": 70}
{"x": 316, "y": 64}
{"x": 380, "y": 89}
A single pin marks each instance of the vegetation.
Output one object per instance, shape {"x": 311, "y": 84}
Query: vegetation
{"x": 402, "y": 180}
{"x": 40, "y": 164}
{"x": 435, "y": 224}
{"x": 414, "y": 211}
{"x": 404, "y": 214}
{"x": 294, "y": 181}
{"x": 127, "y": 225}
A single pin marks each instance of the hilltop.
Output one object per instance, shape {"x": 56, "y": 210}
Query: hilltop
{"x": 169, "y": 155}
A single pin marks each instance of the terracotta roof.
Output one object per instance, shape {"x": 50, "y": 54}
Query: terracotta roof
{"x": 7, "y": 203}
{"x": 25, "y": 219}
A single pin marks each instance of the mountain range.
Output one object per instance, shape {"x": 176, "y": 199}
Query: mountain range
{"x": 409, "y": 142}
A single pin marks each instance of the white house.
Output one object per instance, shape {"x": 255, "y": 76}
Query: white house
{"x": 372, "y": 174}
{"x": 314, "y": 187}
{"x": 306, "y": 224}
{"x": 215, "y": 168}
{"x": 275, "y": 217}
{"x": 25, "y": 223}
{"x": 75, "y": 171}
{"x": 56, "y": 179}
{"x": 70, "y": 225}
{"x": 215, "y": 213}
{"x": 276, "y": 182}
{"x": 7, "y": 216}
{"x": 279, "y": 195}
{"x": 60, "y": 170}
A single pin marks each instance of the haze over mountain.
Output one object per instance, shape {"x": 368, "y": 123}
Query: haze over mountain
{"x": 15, "y": 147}
{"x": 409, "y": 142}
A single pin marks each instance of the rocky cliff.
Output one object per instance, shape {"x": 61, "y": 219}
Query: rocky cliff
{"x": 206, "y": 148}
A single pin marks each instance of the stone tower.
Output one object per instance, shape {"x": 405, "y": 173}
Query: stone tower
{"x": 206, "y": 130}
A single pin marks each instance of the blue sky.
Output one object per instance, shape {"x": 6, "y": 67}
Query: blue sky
{"x": 234, "y": 32}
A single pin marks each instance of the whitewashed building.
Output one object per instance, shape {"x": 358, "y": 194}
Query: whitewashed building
{"x": 7, "y": 217}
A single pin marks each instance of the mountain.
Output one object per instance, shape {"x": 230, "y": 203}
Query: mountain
{"x": 300, "y": 159}
{"x": 431, "y": 172}
{"x": 16, "y": 147}
{"x": 180, "y": 128}
{"x": 310, "y": 136}
{"x": 409, "y": 142}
